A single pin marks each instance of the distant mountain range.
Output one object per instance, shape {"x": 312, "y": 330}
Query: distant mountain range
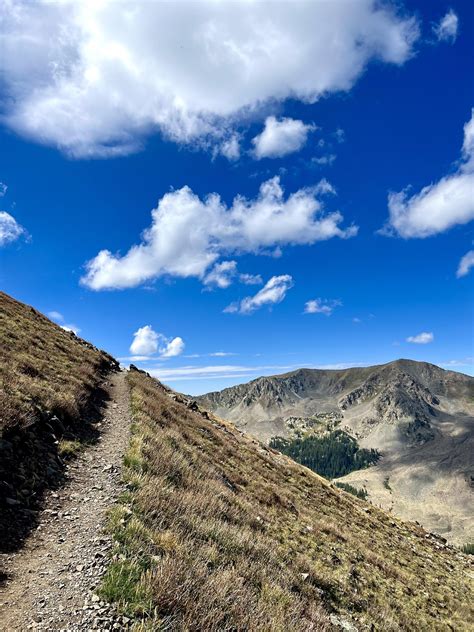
{"x": 419, "y": 416}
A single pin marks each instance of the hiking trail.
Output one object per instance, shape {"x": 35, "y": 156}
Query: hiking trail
{"x": 51, "y": 579}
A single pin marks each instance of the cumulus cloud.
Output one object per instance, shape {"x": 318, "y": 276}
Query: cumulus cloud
{"x": 447, "y": 28}
{"x": 466, "y": 263}
{"x": 3, "y": 189}
{"x": 10, "y": 229}
{"x": 174, "y": 347}
{"x": 439, "y": 206}
{"x": 280, "y": 137}
{"x": 421, "y": 339}
{"x": 274, "y": 291}
{"x": 188, "y": 235}
{"x": 96, "y": 78}
{"x": 146, "y": 342}
{"x": 321, "y": 306}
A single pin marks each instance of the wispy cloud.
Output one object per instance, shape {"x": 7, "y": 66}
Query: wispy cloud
{"x": 446, "y": 30}
{"x": 57, "y": 316}
{"x": 465, "y": 265}
{"x": 321, "y": 306}
{"x": 274, "y": 291}
{"x": 421, "y": 339}
{"x": 236, "y": 371}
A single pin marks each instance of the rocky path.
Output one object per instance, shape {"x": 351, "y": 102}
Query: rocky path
{"x": 52, "y": 578}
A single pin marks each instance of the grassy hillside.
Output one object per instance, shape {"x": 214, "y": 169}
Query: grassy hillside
{"x": 49, "y": 385}
{"x": 218, "y": 532}
{"x": 42, "y": 367}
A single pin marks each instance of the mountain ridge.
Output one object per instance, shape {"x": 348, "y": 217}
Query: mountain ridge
{"x": 415, "y": 413}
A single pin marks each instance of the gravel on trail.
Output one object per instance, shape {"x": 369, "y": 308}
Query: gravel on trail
{"x": 51, "y": 580}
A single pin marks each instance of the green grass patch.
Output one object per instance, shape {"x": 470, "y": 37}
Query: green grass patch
{"x": 124, "y": 583}
{"x": 69, "y": 448}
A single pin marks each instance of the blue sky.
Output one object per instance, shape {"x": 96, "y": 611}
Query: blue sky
{"x": 355, "y": 103}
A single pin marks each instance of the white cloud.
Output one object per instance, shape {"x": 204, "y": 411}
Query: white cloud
{"x": 466, "y": 263}
{"x": 134, "y": 358}
{"x": 173, "y": 348}
{"x": 447, "y": 28}
{"x": 10, "y": 229}
{"x": 3, "y": 189}
{"x": 274, "y": 291}
{"x": 221, "y": 275}
{"x": 421, "y": 339}
{"x": 327, "y": 160}
{"x": 235, "y": 371}
{"x": 230, "y": 148}
{"x": 250, "y": 279}
{"x": 321, "y": 306}
{"x": 280, "y": 137}
{"x": 468, "y": 361}
{"x": 59, "y": 318}
{"x": 222, "y": 354}
{"x": 439, "y": 206}
{"x": 96, "y": 78}
{"x": 147, "y": 342}
{"x": 188, "y": 235}
{"x": 54, "y": 315}
{"x": 71, "y": 327}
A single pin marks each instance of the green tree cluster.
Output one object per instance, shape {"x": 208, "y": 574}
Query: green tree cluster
{"x": 332, "y": 455}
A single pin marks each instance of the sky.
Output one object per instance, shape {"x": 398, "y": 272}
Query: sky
{"x": 219, "y": 190}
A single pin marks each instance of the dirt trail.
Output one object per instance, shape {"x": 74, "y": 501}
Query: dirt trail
{"x": 52, "y": 578}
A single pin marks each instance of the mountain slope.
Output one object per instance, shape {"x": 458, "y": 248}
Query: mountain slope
{"x": 219, "y": 532}
{"x": 213, "y": 531}
{"x": 419, "y": 416}
{"x": 49, "y": 385}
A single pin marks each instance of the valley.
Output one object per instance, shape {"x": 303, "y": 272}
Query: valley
{"x": 160, "y": 514}
{"x": 419, "y": 417}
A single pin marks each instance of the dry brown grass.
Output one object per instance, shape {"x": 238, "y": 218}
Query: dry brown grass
{"x": 218, "y": 532}
{"x": 42, "y": 367}
{"x": 49, "y": 387}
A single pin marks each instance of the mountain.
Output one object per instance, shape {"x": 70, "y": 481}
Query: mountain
{"x": 207, "y": 528}
{"x": 221, "y": 532}
{"x": 418, "y": 416}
